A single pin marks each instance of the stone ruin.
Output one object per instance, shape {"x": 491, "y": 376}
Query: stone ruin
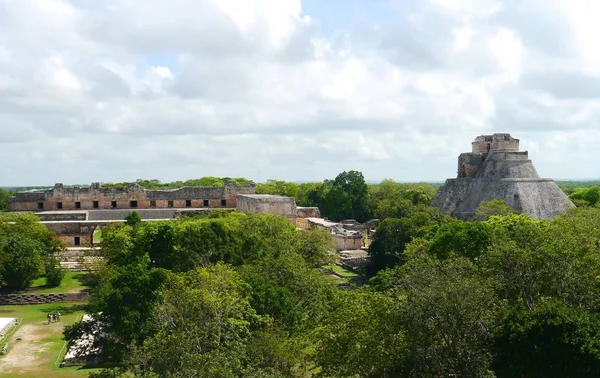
{"x": 495, "y": 169}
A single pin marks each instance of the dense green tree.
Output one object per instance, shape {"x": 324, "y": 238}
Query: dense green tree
{"x": 203, "y": 322}
{"x": 354, "y": 188}
{"x": 315, "y": 246}
{"x": 5, "y": 197}
{"x": 21, "y": 261}
{"x": 53, "y": 271}
{"x": 490, "y": 208}
{"x": 289, "y": 291}
{"x": 133, "y": 218}
{"x": 123, "y": 303}
{"x": 393, "y": 234}
{"x": 448, "y": 314}
{"x": 463, "y": 239}
{"x": 553, "y": 340}
{"x": 388, "y": 200}
{"x": 361, "y": 336}
{"x": 589, "y": 196}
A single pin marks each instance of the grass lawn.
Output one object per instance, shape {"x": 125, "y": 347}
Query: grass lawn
{"x": 71, "y": 282}
{"x": 40, "y": 349}
{"x": 341, "y": 271}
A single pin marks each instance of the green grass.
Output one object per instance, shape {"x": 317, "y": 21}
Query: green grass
{"x": 341, "y": 271}
{"x": 71, "y": 282}
{"x": 48, "y": 361}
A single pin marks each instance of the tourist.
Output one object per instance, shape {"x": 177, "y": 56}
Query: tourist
{"x": 57, "y": 316}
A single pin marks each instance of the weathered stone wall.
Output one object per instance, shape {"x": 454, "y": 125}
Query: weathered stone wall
{"x": 496, "y": 170}
{"x": 269, "y": 204}
{"x": 308, "y": 212}
{"x": 27, "y": 299}
{"x": 97, "y": 197}
{"x": 469, "y": 164}
{"x": 538, "y": 198}
{"x": 494, "y": 142}
{"x": 344, "y": 242}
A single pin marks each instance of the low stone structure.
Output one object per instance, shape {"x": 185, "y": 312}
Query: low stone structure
{"x": 96, "y": 197}
{"x": 267, "y": 203}
{"x": 343, "y": 238}
{"x": 495, "y": 169}
{"x": 27, "y": 299}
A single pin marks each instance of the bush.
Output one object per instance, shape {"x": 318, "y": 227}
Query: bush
{"x": 54, "y": 272}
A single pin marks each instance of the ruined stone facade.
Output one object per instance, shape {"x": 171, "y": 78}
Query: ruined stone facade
{"x": 269, "y": 204}
{"x": 133, "y": 196}
{"x": 495, "y": 169}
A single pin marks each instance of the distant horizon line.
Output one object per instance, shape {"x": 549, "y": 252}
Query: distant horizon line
{"x": 301, "y": 182}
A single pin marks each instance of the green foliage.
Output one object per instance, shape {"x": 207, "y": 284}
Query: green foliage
{"x": 54, "y": 272}
{"x": 393, "y": 234}
{"x": 123, "y": 303}
{"x": 508, "y": 296}
{"x": 361, "y": 336}
{"x": 589, "y": 196}
{"x": 209, "y": 181}
{"x": 203, "y": 323}
{"x": 448, "y": 313}
{"x": 20, "y": 261}
{"x": 5, "y": 197}
{"x": 315, "y": 247}
{"x": 133, "y": 219}
{"x": 462, "y": 239}
{"x": 553, "y": 340}
{"x": 490, "y": 208}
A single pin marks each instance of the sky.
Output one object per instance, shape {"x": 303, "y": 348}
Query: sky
{"x": 292, "y": 90}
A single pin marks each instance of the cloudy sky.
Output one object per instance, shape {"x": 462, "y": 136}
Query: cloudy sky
{"x": 296, "y": 90}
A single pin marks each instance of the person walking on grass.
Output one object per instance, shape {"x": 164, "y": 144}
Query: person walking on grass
{"x": 48, "y": 317}
{"x": 57, "y": 316}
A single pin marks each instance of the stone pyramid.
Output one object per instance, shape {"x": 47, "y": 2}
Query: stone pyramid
{"x": 497, "y": 170}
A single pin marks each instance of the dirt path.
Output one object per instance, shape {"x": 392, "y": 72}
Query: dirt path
{"x": 28, "y": 353}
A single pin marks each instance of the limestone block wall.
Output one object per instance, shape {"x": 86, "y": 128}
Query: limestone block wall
{"x": 26, "y": 299}
{"x": 132, "y": 196}
{"x": 269, "y": 204}
{"x": 344, "y": 242}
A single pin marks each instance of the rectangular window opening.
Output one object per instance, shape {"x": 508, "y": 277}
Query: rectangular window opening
{"x": 113, "y": 204}
{"x": 152, "y": 203}
{"x": 78, "y": 205}
{"x": 188, "y": 203}
{"x": 132, "y": 203}
{"x": 170, "y": 204}
{"x": 59, "y": 205}
{"x": 205, "y": 203}
{"x": 76, "y": 240}
{"x": 96, "y": 205}
{"x": 40, "y": 205}
{"x": 223, "y": 203}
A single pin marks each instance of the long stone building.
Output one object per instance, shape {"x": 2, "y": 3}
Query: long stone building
{"x": 495, "y": 169}
{"x": 96, "y": 197}
{"x": 74, "y": 214}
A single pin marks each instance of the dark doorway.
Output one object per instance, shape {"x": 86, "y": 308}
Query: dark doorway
{"x": 76, "y": 240}
{"x": 96, "y": 205}
{"x": 132, "y": 203}
{"x": 205, "y": 203}
{"x": 59, "y": 205}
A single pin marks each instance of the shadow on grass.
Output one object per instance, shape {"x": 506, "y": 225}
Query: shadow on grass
{"x": 65, "y": 309}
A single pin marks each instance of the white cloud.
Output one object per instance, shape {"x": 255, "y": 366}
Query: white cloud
{"x": 186, "y": 88}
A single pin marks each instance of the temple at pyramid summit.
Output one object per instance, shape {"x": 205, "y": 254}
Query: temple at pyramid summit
{"x": 495, "y": 169}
